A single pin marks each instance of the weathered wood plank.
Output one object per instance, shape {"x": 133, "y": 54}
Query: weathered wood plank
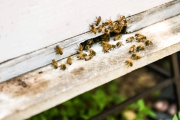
{"x": 36, "y": 24}
{"x": 42, "y": 57}
{"x": 47, "y": 87}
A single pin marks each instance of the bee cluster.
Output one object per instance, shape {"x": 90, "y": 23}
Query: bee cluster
{"x": 109, "y": 29}
{"x": 133, "y": 49}
{"x": 59, "y": 50}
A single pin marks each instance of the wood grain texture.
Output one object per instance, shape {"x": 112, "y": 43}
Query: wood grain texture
{"x": 42, "y": 57}
{"x": 46, "y": 87}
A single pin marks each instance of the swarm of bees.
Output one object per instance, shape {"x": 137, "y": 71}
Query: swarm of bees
{"x": 109, "y": 29}
{"x": 133, "y": 49}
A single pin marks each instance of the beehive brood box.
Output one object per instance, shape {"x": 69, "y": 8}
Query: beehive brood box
{"x": 29, "y": 32}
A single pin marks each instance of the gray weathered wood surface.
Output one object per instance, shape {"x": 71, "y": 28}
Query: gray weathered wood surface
{"x": 46, "y": 87}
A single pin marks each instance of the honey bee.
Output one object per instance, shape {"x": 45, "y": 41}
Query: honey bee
{"x": 107, "y": 31}
{"x": 117, "y": 31}
{"x": 138, "y": 34}
{"x": 120, "y": 19}
{"x": 148, "y": 42}
{"x": 103, "y": 43}
{"x": 87, "y": 47}
{"x": 81, "y": 55}
{"x": 92, "y": 52}
{"x": 140, "y": 38}
{"x": 106, "y": 49}
{"x": 129, "y": 62}
{"x": 55, "y": 64}
{"x": 117, "y": 37}
{"x": 140, "y": 47}
{"x": 105, "y": 37}
{"x": 125, "y": 22}
{"x": 109, "y": 22}
{"x": 88, "y": 57}
{"x": 63, "y": 66}
{"x": 119, "y": 44}
{"x": 136, "y": 56}
{"x": 100, "y": 28}
{"x": 132, "y": 48}
{"x": 98, "y": 20}
{"x": 114, "y": 27}
{"x": 130, "y": 39}
{"x": 80, "y": 48}
{"x": 59, "y": 50}
{"x": 111, "y": 46}
{"x": 89, "y": 42}
{"x": 69, "y": 60}
{"x": 93, "y": 29}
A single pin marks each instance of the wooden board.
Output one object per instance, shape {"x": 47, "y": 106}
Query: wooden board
{"x": 36, "y": 24}
{"x": 46, "y": 87}
{"x": 42, "y": 57}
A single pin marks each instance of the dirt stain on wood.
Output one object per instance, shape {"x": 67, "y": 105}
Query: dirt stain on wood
{"x": 78, "y": 71}
{"x": 21, "y": 86}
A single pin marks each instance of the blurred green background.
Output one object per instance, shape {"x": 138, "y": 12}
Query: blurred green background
{"x": 93, "y": 102}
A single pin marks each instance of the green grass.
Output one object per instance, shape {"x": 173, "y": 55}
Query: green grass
{"x": 93, "y": 102}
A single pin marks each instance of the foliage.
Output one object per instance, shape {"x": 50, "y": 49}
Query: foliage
{"x": 176, "y": 116}
{"x": 91, "y": 103}
{"x": 141, "y": 110}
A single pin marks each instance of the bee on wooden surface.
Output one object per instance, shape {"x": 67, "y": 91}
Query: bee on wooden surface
{"x": 140, "y": 38}
{"x": 80, "y": 48}
{"x": 114, "y": 26}
{"x": 109, "y": 22}
{"x": 93, "y": 29}
{"x": 117, "y": 31}
{"x": 140, "y": 47}
{"x": 117, "y": 37}
{"x": 92, "y": 52}
{"x": 113, "y": 46}
{"x": 81, "y": 55}
{"x": 103, "y": 43}
{"x": 132, "y": 48}
{"x": 138, "y": 34}
{"x": 107, "y": 31}
{"x": 69, "y": 60}
{"x": 100, "y": 28}
{"x": 119, "y": 44}
{"x": 105, "y": 37}
{"x": 129, "y": 62}
{"x": 89, "y": 42}
{"x": 130, "y": 39}
{"x": 55, "y": 64}
{"x": 106, "y": 49}
{"x": 63, "y": 66}
{"x": 59, "y": 50}
{"x": 125, "y": 22}
{"x": 87, "y": 47}
{"x": 120, "y": 19}
{"x": 148, "y": 42}
{"x": 136, "y": 56}
{"x": 88, "y": 57}
{"x": 98, "y": 20}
